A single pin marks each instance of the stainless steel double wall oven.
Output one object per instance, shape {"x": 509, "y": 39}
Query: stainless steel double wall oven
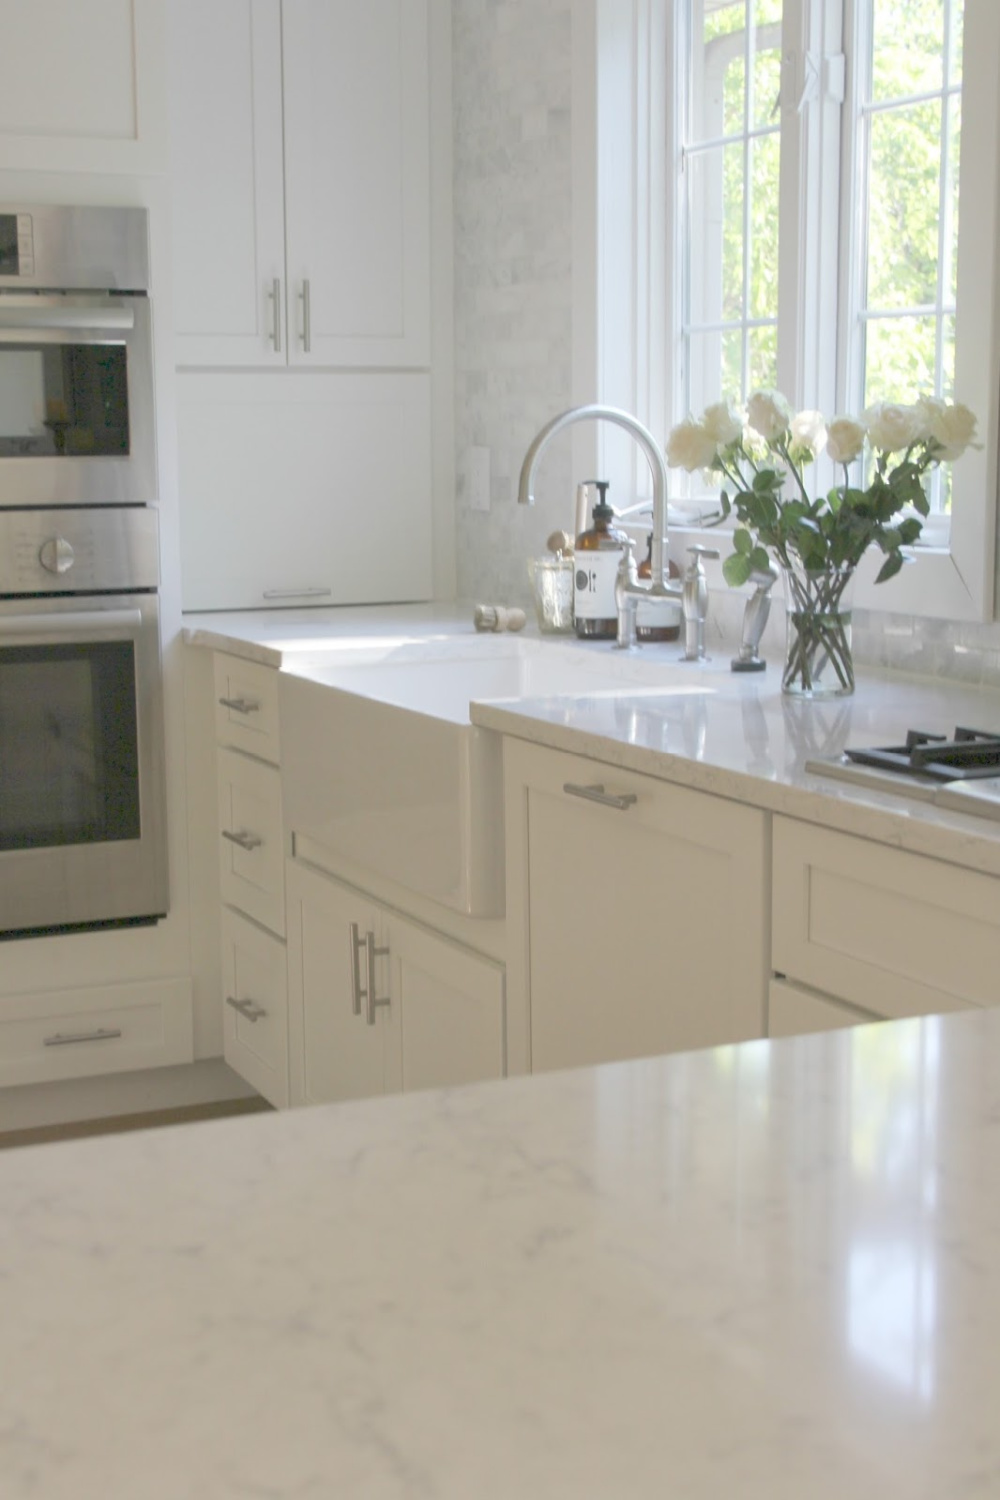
{"x": 82, "y": 789}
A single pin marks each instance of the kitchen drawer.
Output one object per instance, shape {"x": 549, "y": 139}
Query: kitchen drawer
{"x": 890, "y": 932}
{"x": 251, "y": 851}
{"x": 246, "y": 706}
{"x": 792, "y": 1011}
{"x": 79, "y": 1033}
{"x": 255, "y": 1003}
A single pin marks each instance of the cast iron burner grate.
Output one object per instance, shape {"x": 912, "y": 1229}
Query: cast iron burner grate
{"x": 971, "y": 753}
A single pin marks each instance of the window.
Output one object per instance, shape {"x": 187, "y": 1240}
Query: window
{"x": 835, "y": 233}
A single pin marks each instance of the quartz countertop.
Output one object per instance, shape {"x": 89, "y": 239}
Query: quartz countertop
{"x": 766, "y": 1271}
{"x": 698, "y": 724}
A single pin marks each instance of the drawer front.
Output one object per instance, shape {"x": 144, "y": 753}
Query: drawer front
{"x": 891, "y": 932}
{"x": 246, "y": 706}
{"x": 255, "y": 1005}
{"x": 251, "y": 853}
{"x": 119, "y": 1028}
{"x": 792, "y": 1011}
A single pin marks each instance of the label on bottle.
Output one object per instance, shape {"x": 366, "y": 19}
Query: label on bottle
{"x": 594, "y": 584}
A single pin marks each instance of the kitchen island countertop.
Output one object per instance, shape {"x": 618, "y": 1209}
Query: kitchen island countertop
{"x": 766, "y": 1271}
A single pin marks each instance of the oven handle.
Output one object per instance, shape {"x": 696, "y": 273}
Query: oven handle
{"x": 95, "y": 624}
{"x": 97, "y": 315}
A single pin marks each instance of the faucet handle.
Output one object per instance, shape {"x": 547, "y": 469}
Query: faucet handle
{"x": 698, "y": 551}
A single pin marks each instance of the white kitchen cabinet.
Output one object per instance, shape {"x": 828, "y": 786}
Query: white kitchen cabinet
{"x": 301, "y": 182}
{"x": 379, "y": 1004}
{"x": 83, "y": 87}
{"x": 636, "y": 913}
{"x": 793, "y": 1011}
{"x": 255, "y": 1000}
{"x": 304, "y": 488}
{"x": 889, "y": 932}
{"x": 251, "y": 848}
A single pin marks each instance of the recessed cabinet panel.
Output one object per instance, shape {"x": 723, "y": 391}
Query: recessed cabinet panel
{"x": 246, "y": 706}
{"x": 304, "y": 489}
{"x": 357, "y": 180}
{"x": 255, "y": 1007}
{"x": 451, "y": 1010}
{"x": 891, "y": 932}
{"x": 251, "y": 848}
{"x": 228, "y": 218}
{"x": 82, "y": 87}
{"x": 635, "y": 910}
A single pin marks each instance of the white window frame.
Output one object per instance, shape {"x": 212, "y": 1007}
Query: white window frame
{"x": 623, "y": 113}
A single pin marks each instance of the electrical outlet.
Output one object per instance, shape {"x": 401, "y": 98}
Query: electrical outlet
{"x": 478, "y": 470}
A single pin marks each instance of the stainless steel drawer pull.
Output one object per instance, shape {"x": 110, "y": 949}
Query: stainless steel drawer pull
{"x": 373, "y": 953}
{"x": 247, "y": 841}
{"x": 357, "y": 943}
{"x": 248, "y": 1008}
{"x": 70, "y": 1038}
{"x": 306, "y": 316}
{"x": 622, "y": 802}
{"x": 241, "y": 705}
{"x": 297, "y": 593}
{"x": 275, "y": 295}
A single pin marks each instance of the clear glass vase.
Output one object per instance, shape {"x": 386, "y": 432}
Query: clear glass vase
{"x": 818, "y": 661}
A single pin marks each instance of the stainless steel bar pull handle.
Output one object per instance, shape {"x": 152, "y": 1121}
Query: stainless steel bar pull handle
{"x": 275, "y": 295}
{"x": 357, "y": 943}
{"x": 247, "y": 841}
{"x": 373, "y": 953}
{"x": 248, "y": 1008}
{"x": 306, "y": 316}
{"x": 71, "y": 1038}
{"x": 309, "y": 593}
{"x": 621, "y": 802}
{"x": 241, "y": 705}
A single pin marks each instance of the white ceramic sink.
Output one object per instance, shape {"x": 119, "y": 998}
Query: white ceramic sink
{"x": 382, "y": 766}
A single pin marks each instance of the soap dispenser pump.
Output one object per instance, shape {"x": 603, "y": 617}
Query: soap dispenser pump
{"x": 598, "y": 553}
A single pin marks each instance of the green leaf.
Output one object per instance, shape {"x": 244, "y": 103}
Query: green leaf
{"x": 890, "y": 567}
{"x": 742, "y": 540}
{"x": 736, "y": 569}
{"x": 759, "y": 560}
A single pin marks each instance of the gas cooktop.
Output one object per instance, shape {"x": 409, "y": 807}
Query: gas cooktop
{"x": 961, "y": 773}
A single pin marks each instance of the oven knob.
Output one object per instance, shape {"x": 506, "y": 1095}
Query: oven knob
{"x": 56, "y": 555}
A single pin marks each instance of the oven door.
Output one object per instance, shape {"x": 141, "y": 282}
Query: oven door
{"x": 76, "y": 400}
{"x": 82, "y": 808}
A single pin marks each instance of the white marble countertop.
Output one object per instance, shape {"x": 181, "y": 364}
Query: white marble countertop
{"x": 699, "y": 724}
{"x": 765, "y": 1271}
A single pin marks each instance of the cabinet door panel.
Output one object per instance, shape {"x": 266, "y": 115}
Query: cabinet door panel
{"x": 892, "y": 932}
{"x": 357, "y": 179}
{"x": 793, "y": 1011}
{"x": 450, "y": 1010}
{"x": 304, "y": 488}
{"x": 228, "y": 208}
{"x": 256, "y": 1026}
{"x": 251, "y": 878}
{"x": 632, "y": 930}
{"x": 335, "y": 1053}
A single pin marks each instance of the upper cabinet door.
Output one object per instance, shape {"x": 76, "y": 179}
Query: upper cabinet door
{"x": 229, "y": 235}
{"x": 357, "y": 181}
{"x": 82, "y": 87}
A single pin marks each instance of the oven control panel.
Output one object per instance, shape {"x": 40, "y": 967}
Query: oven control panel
{"x": 77, "y": 551}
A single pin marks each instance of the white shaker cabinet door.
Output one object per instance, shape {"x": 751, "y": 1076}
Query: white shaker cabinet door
{"x": 357, "y": 181}
{"x": 228, "y": 194}
{"x": 338, "y": 1043}
{"x": 636, "y": 913}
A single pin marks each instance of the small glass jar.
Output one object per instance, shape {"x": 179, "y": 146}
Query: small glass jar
{"x": 553, "y": 581}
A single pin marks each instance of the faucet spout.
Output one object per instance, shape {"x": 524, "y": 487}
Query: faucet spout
{"x": 597, "y": 412}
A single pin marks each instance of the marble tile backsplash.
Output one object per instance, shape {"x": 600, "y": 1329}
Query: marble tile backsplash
{"x": 513, "y": 321}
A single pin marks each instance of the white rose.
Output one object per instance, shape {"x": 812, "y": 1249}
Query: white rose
{"x": 930, "y": 408}
{"x": 690, "y": 447}
{"x": 845, "y": 439}
{"x": 954, "y": 427}
{"x": 892, "y": 427}
{"x": 769, "y": 414}
{"x": 809, "y": 431}
{"x": 723, "y": 422}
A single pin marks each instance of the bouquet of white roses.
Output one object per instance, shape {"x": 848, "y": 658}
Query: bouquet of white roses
{"x": 760, "y": 452}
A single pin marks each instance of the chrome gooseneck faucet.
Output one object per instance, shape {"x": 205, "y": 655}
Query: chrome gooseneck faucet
{"x": 630, "y": 590}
